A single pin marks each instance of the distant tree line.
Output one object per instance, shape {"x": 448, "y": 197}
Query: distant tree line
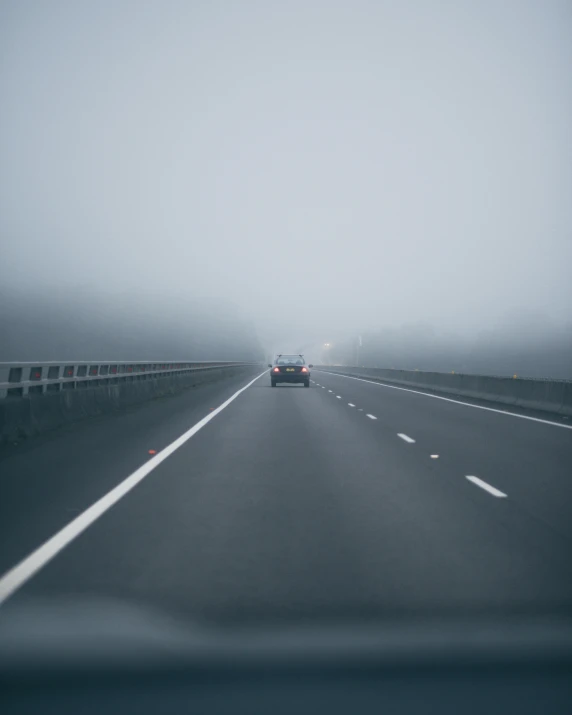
{"x": 525, "y": 346}
{"x": 63, "y": 324}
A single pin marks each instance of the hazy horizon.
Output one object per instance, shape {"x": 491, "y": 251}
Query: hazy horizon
{"x": 322, "y": 169}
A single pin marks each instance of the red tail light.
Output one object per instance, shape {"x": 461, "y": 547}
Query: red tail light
{"x": 276, "y": 369}
{"x": 304, "y": 369}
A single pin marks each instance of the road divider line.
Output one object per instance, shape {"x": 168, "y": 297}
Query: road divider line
{"x": 405, "y": 438}
{"x": 487, "y": 487}
{"x": 338, "y": 397}
{"x": 371, "y": 417}
{"x": 350, "y": 404}
{"x": 16, "y": 577}
{"x": 449, "y": 399}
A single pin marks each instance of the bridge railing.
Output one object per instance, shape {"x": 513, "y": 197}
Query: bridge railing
{"x": 20, "y": 379}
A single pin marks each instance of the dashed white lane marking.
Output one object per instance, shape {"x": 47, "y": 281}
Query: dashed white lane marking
{"x": 323, "y": 388}
{"x": 434, "y": 456}
{"x": 329, "y": 390}
{"x": 360, "y": 409}
{"x": 371, "y": 417}
{"x": 338, "y": 397}
{"x": 487, "y": 487}
{"x": 12, "y": 580}
{"x": 448, "y": 399}
{"x": 405, "y": 438}
{"x": 350, "y": 404}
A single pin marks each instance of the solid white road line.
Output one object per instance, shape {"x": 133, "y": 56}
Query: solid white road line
{"x": 17, "y": 576}
{"x": 350, "y": 404}
{"x": 405, "y": 438}
{"x": 487, "y": 487}
{"x": 371, "y": 417}
{"x": 449, "y": 399}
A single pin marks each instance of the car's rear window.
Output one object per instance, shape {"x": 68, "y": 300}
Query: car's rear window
{"x": 290, "y": 360}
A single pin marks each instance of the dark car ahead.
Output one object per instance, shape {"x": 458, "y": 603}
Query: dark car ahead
{"x": 290, "y": 368}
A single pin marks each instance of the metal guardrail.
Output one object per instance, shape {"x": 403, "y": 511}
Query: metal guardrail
{"x": 545, "y": 395}
{"x": 20, "y": 379}
{"x": 441, "y": 372}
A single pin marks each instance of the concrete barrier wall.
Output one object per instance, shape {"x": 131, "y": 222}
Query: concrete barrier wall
{"x": 546, "y": 395}
{"x": 34, "y": 414}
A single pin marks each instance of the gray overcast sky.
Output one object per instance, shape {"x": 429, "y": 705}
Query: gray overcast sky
{"x": 321, "y": 164}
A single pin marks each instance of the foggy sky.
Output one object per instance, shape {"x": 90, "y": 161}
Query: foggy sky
{"x": 324, "y": 166}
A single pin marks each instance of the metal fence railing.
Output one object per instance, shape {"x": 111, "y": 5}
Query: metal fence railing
{"x": 20, "y": 379}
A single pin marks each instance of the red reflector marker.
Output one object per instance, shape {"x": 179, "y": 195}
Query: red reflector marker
{"x": 152, "y": 451}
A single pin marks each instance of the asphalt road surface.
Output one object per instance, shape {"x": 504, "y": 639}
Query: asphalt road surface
{"x": 348, "y": 500}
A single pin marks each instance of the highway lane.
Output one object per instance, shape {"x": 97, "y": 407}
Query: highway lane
{"x": 292, "y": 505}
{"x": 47, "y": 481}
{"x": 528, "y": 460}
